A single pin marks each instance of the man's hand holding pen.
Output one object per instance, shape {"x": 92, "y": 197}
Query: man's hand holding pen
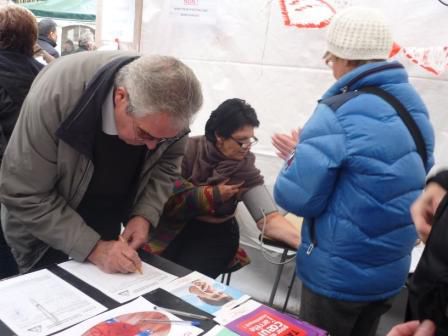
{"x": 138, "y": 266}
{"x": 115, "y": 256}
{"x": 120, "y": 256}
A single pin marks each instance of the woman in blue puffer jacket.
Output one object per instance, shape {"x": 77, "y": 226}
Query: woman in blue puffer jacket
{"x": 355, "y": 172}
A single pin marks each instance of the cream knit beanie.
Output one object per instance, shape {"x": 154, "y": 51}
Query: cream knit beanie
{"x": 359, "y": 33}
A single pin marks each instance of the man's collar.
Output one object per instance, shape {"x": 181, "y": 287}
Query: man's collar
{"x": 108, "y": 115}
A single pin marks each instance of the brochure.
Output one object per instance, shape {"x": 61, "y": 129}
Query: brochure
{"x": 205, "y": 293}
{"x": 254, "y": 319}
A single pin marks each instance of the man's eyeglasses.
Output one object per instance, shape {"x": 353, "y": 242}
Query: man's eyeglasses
{"x": 142, "y": 136}
{"x": 247, "y": 143}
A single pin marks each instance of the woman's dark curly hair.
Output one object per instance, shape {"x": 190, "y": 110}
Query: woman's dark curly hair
{"x": 18, "y": 29}
{"x": 232, "y": 115}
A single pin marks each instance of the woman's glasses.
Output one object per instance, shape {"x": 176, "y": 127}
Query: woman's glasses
{"x": 247, "y": 143}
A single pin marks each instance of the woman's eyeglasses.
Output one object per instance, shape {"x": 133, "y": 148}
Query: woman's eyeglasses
{"x": 247, "y": 143}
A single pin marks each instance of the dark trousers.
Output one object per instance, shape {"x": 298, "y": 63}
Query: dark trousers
{"x": 342, "y": 318}
{"x": 205, "y": 247}
{"x": 8, "y": 266}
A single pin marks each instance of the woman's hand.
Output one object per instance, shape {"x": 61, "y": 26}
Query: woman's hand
{"x": 285, "y": 144}
{"x": 227, "y": 191}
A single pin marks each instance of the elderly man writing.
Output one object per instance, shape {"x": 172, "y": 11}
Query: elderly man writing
{"x": 98, "y": 143}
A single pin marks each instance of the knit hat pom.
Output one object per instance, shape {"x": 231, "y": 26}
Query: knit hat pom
{"x": 359, "y": 33}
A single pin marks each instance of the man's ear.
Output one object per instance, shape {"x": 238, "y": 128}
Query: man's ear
{"x": 120, "y": 95}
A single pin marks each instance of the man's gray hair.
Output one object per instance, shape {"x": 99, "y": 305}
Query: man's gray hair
{"x": 84, "y": 40}
{"x": 161, "y": 84}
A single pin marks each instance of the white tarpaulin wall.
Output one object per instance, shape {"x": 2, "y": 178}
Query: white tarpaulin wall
{"x": 269, "y": 52}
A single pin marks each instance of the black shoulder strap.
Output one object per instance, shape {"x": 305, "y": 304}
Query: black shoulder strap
{"x": 404, "y": 115}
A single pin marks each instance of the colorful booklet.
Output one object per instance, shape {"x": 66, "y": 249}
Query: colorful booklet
{"x": 205, "y": 293}
{"x": 254, "y": 319}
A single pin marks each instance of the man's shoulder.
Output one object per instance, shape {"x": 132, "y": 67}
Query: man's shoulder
{"x": 337, "y": 101}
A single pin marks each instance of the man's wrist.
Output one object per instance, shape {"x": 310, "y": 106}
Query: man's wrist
{"x": 93, "y": 254}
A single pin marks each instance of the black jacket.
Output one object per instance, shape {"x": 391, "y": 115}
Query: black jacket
{"x": 428, "y": 287}
{"x": 17, "y": 72}
{"x": 48, "y": 45}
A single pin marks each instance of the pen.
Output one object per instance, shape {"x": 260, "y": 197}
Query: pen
{"x": 193, "y": 323}
{"x": 184, "y": 313}
{"x": 139, "y": 269}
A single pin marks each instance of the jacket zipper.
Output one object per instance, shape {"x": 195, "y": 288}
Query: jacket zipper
{"x": 312, "y": 237}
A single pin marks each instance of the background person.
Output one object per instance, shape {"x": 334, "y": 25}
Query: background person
{"x": 68, "y": 47}
{"x": 428, "y": 285}
{"x": 86, "y": 42}
{"x": 18, "y": 68}
{"x": 99, "y": 142}
{"x": 353, "y": 177}
{"x": 48, "y": 36}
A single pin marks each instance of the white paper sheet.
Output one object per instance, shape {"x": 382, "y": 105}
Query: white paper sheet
{"x": 120, "y": 287}
{"x": 194, "y": 11}
{"x": 417, "y": 252}
{"x": 220, "y": 331}
{"x": 133, "y": 319}
{"x": 40, "y": 303}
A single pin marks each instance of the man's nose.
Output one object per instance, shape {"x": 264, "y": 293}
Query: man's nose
{"x": 151, "y": 144}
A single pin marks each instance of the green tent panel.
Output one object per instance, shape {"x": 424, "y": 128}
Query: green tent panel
{"x": 79, "y": 10}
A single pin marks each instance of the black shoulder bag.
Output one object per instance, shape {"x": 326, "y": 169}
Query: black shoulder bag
{"x": 404, "y": 115}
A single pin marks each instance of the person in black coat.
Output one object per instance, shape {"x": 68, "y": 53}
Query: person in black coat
{"x": 48, "y": 36}
{"x": 428, "y": 286}
{"x": 18, "y": 68}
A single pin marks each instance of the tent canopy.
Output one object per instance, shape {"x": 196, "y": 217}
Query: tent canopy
{"x": 79, "y": 10}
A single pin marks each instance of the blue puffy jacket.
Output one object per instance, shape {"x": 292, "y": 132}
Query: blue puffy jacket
{"x": 353, "y": 178}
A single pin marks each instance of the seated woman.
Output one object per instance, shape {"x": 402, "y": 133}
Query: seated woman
{"x": 198, "y": 225}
